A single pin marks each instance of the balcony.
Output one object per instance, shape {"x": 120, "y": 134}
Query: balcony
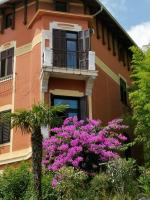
{"x": 69, "y": 64}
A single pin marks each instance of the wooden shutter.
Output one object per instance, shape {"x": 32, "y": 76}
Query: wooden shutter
{"x": 10, "y": 55}
{"x": 5, "y": 127}
{"x": 59, "y": 48}
{"x": 123, "y": 91}
{"x": 84, "y": 45}
{"x": 83, "y": 108}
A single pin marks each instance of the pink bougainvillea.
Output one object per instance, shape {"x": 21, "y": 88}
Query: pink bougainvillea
{"x": 82, "y": 144}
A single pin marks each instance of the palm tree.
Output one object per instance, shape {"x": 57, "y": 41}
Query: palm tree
{"x": 30, "y": 121}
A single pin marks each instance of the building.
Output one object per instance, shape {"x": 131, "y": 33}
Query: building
{"x": 58, "y": 51}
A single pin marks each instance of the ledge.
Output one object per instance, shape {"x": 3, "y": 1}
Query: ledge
{"x": 42, "y": 12}
{"x": 15, "y": 156}
{"x": 6, "y": 78}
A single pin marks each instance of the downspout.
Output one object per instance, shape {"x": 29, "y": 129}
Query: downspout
{"x": 98, "y": 12}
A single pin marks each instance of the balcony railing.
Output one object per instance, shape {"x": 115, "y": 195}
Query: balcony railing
{"x": 73, "y": 60}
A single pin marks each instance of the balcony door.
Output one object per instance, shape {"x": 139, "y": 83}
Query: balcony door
{"x": 70, "y": 49}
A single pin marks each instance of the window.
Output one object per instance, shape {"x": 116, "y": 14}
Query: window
{"x": 6, "y": 62}
{"x": 77, "y": 105}
{"x": 70, "y": 49}
{"x": 5, "y": 127}
{"x": 123, "y": 91}
{"x": 61, "y": 6}
{"x": 8, "y": 20}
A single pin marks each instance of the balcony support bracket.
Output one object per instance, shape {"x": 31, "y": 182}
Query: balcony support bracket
{"x": 89, "y": 85}
{"x": 44, "y": 81}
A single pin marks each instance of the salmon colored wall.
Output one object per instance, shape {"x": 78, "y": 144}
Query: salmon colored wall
{"x": 4, "y": 149}
{"x": 106, "y": 95}
{"x": 5, "y": 92}
{"x": 66, "y": 84}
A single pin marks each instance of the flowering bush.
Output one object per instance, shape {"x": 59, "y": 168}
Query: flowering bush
{"x": 82, "y": 144}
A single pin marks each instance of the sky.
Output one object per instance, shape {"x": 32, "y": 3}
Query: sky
{"x": 133, "y": 16}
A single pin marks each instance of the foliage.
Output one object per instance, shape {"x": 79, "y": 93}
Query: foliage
{"x": 14, "y": 182}
{"x": 122, "y": 177}
{"x": 48, "y": 192}
{"x": 140, "y": 96}
{"x": 99, "y": 187}
{"x": 82, "y": 144}
{"x": 31, "y": 121}
{"x": 70, "y": 184}
{"x": 144, "y": 181}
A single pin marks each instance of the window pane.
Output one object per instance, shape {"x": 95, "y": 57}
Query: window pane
{"x": 72, "y": 114}
{"x": 9, "y": 20}
{"x": 3, "y": 68}
{"x": 72, "y": 103}
{"x": 61, "y": 6}
{"x": 9, "y": 65}
{"x": 71, "y": 54}
{"x": 71, "y": 36}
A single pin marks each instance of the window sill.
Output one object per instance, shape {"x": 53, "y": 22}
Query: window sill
{"x": 6, "y": 78}
{"x": 5, "y": 144}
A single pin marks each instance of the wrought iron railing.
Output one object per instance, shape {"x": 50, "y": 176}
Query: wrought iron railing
{"x": 68, "y": 59}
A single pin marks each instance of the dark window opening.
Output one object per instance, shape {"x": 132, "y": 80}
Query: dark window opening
{"x": 61, "y": 6}
{"x": 72, "y": 102}
{"x": 5, "y": 127}
{"x": 6, "y": 62}
{"x": 65, "y": 47}
{"x": 123, "y": 91}
{"x": 8, "y": 20}
{"x": 77, "y": 106}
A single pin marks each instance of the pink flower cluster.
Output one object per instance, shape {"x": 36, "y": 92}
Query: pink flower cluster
{"x": 76, "y": 142}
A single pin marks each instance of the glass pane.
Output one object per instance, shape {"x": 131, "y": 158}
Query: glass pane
{"x": 72, "y": 114}
{"x": 72, "y": 103}
{"x": 61, "y": 6}
{"x": 71, "y": 36}
{"x": 9, "y": 66}
{"x": 71, "y": 54}
{"x": 3, "y": 68}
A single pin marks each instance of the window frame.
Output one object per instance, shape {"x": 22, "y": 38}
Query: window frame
{"x": 123, "y": 91}
{"x": 78, "y": 110}
{"x": 65, "y": 2}
{"x": 6, "y": 60}
{"x": 7, "y": 23}
{"x": 2, "y": 125}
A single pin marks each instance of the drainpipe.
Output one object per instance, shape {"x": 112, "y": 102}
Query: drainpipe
{"x": 98, "y": 12}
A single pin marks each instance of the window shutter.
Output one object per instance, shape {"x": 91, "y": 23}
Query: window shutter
{"x": 6, "y": 132}
{"x": 84, "y": 47}
{"x": 123, "y": 91}
{"x": 5, "y": 127}
{"x": 59, "y": 47}
{"x": 83, "y": 108}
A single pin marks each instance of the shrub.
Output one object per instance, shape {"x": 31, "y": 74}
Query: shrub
{"x": 122, "y": 178}
{"x": 48, "y": 193}
{"x": 99, "y": 187}
{"x": 82, "y": 144}
{"x": 144, "y": 182}
{"x": 70, "y": 184}
{"x": 14, "y": 182}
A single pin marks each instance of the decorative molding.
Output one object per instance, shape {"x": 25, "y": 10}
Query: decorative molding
{"x": 4, "y": 145}
{"x": 7, "y": 45}
{"x": 6, "y": 107}
{"x": 44, "y": 81}
{"x": 15, "y": 156}
{"x": 6, "y": 78}
{"x": 89, "y": 85}
{"x": 73, "y": 93}
{"x": 107, "y": 70}
{"x": 28, "y": 47}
